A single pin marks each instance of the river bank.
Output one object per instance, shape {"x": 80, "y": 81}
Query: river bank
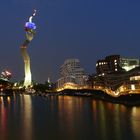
{"x": 128, "y": 99}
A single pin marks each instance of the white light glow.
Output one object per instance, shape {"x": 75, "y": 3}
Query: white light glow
{"x": 132, "y": 87}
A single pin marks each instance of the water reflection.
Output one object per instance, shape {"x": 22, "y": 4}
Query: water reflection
{"x": 100, "y": 120}
{"x": 113, "y": 121}
{"x": 26, "y": 117}
{"x": 135, "y": 117}
{"x": 72, "y": 116}
{"x": 12, "y": 116}
{"x": 3, "y": 122}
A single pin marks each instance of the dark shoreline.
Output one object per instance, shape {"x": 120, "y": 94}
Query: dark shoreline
{"x": 128, "y": 100}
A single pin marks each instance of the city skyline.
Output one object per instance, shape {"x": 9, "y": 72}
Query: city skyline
{"x": 85, "y": 30}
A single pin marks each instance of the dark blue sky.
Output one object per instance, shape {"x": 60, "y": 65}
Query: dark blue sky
{"x": 83, "y": 29}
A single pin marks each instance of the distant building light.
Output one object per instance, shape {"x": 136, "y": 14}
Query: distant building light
{"x": 116, "y": 93}
{"x": 15, "y": 84}
{"x": 133, "y": 78}
{"x": 127, "y": 68}
{"x": 132, "y": 87}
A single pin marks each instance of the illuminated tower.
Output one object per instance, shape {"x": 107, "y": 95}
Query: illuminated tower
{"x": 30, "y": 32}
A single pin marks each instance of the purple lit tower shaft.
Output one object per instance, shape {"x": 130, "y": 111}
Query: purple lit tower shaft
{"x": 30, "y": 32}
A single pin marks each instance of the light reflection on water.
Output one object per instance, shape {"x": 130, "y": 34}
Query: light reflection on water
{"x": 27, "y": 117}
{"x": 3, "y": 119}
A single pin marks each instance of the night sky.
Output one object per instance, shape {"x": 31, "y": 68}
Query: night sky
{"x": 83, "y": 29}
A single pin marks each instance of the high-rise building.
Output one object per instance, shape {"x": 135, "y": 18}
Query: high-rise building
{"x": 113, "y": 71}
{"x": 108, "y": 65}
{"x": 71, "y": 72}
{"x": 128, "y": 63}
{"x": 115, "y": 63}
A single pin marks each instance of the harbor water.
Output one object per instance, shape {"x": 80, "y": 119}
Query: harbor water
{"x": 25, "y": 117}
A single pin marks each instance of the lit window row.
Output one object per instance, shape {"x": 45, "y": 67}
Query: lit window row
{"x": 101, "y": 63}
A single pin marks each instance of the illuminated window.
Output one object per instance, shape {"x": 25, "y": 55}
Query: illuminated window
{"x": 132, "y": 87}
